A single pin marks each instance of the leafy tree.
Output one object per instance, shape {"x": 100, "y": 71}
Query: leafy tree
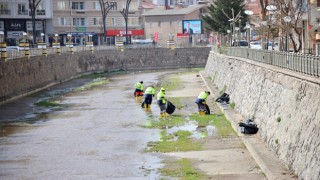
{"x": 221, "y": 11}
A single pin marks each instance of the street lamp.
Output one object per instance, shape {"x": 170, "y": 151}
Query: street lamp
{"x": 248, "y": 27}
{"x": 26, "y": 45}
{"x": 236, "y": 43}
{"x": 287, "y": 20}
{"x": 271, "y": 8}
{"x": 69, "y": 43}
{"x": 56, "y": 44}
{"x": 229, "y": 31}
{"x": 42, "y": 45}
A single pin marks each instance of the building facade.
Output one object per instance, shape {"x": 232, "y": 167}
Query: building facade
{"x": 82, "y": 18}
{"x": 165, "y": 22}
{"x": 15, "y": 19}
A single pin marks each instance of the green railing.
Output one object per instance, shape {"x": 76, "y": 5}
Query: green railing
{"x": 304, "y": 63}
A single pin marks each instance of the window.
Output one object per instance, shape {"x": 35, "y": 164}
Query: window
{"x": 79, "y": 21}
{"x": 62, "y": 21}
{"x": 78, "y": 5}
{"x": 133, "y": 21}
{"x": 114, "y": 5}
{"x": 159, "y": 24}
{"x": 4, "y": 8}
{"x": 61, "y": 5}
{"x": 178, "y": 23}
{"x": 97, "y": 21}
{"x": 114, "y": 21}
{"x": 22, "y": 9}
{"x": 151, "y": 24}
{"x": 96, "y": 6}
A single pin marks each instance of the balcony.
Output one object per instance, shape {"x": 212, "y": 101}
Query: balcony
{"x": 5, "y": 12}
{"x": 41, "y": 12}
{"x": 22, "y": 12}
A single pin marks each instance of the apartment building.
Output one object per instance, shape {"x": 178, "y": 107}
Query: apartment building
{"x": 313, "y": 38}
{"x": 82, "y": 18}
{"x": 15, "y": 19}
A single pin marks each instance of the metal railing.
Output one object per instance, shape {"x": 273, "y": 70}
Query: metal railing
{"x": 303, "y": 63}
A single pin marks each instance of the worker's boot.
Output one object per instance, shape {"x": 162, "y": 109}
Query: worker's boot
{"x": 137, "y": 98}
{"x": 161, "y": 115}
{"x": 140, "y": 98}
{"x": 164, "y": 114}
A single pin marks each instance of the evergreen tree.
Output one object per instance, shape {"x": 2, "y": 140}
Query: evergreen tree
{"x": 220, "y": 12}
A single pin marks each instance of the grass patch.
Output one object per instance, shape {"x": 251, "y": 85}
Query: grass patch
{"x": 203, "y": 121}
{"x": 278, "y": 119}
{"x": 48, "y": 103}
{"x": 232, "y": 105}
{"x": 179, "y": 141}
{"x": 218, "y": 120}
{"x": 163, "y": 123}
{"x": 172, "y": 82}
{"x": 94, "y": 75}
{"x": 94, "y": 83}
{"x": 182, "y": 169}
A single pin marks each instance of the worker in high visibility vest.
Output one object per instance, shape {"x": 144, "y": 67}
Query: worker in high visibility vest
{"x": 138, "y": 93}
{"x": 149, "y": 93}
{"x": 162, "y": 102}
{"x": 201, "y": 101}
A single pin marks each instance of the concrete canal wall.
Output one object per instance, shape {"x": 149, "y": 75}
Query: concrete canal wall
{"x": 20, "y": 76}
{"x": 285, "y": 105}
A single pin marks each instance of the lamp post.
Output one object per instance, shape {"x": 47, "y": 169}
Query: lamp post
{"x": 271, "y": 8}
{"x": 248, "y": 27}
{"x": 69, "y": 43}
{"x": 90, "y": 43}
{"x": 236, "y": 43}
{"x": 287, "y": 20}
{"x": 3, "y": 47}
{"x": 229, "y": 38}
{"x": 26, "y": 45}
{"x": 56, "y": 44}
{"x": 42, "y": 45}
{"x": 233, "y": 30}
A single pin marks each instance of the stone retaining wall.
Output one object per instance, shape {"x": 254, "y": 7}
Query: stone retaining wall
{"x": 21, "y": 76}
{"x": 286, "y": 108}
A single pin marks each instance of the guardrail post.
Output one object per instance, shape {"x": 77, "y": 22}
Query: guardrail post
{"x": 4, "y": 54}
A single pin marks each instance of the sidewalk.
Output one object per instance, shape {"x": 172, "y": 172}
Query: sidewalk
{"x": 270, "y": 164}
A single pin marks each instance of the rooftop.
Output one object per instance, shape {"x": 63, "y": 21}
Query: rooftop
{"x": 161, "y": 11}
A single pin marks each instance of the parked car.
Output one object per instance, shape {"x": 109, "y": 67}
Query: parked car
{"x": 13, "y": 48}
{"x": 274, "y": 46}
{"x": 255, "y": 45}
{"x": 241, "y": 43}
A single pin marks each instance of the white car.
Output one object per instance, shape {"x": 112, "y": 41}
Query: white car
{"x": 255, "y": 45}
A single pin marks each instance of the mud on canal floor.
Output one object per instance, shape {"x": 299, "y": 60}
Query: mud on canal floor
{"x": 92, "y": 128}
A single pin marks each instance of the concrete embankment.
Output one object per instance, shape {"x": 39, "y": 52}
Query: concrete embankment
{"x": 284, "y": 104}
{"x": 21, "y": 76}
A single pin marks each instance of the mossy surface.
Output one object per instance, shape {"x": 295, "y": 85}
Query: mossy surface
{"x": 163, "y": 123}
{"x": 178, "y": 141}
{"x": 96, "y": 82}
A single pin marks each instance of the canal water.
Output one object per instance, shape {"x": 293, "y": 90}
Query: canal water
{"x": 97, "y": 133}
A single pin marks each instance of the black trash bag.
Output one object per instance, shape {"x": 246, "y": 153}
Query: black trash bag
{"x": 170, "y": 107}
{"x": 223, "y": 98}
{"x": 248, "y": 127}
{"x": 207, "y": 109}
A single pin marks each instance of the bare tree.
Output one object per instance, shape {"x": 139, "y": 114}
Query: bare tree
{"x": 105, "y": 8}
{"x": 33, "y": 4}
{"x": 295, "y": 10}
{"x": 263, "y": 8}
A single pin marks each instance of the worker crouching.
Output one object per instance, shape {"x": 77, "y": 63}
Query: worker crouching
{"x": 149, "y": 93}
{"x": 201, "y": 101}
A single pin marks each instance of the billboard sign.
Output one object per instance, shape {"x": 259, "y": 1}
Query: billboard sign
{"x": 192, "y": 26}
